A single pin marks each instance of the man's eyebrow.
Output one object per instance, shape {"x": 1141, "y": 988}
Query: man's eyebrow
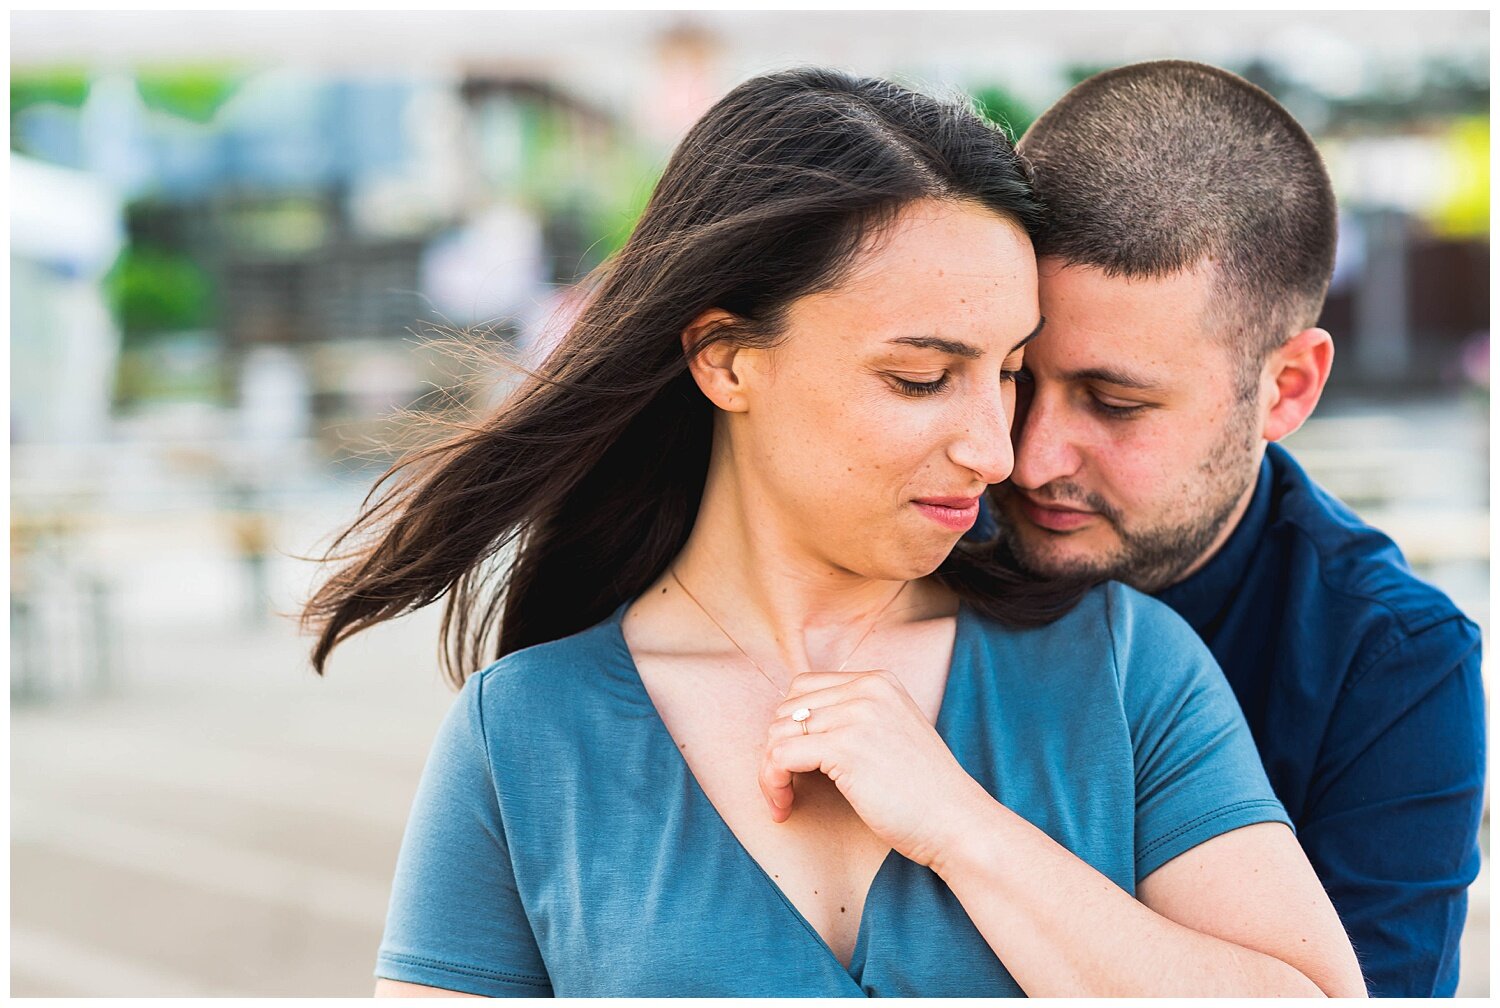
{"x": 1109, "y": 376}
{"x": 958, "y": 348}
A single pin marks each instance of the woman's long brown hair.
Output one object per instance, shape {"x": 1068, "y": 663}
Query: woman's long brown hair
{"x": 594, "y": 468}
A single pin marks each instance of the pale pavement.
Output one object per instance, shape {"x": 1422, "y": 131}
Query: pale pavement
{"x": 225, "y": 825}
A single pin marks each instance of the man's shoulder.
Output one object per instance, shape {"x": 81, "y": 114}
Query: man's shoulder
{"x": 1359, "y": 568}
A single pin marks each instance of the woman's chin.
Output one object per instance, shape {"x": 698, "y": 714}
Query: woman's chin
{"x": 915, "y": 563}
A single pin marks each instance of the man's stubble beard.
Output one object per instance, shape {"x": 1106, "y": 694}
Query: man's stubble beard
{"x": 1150, "y": 559}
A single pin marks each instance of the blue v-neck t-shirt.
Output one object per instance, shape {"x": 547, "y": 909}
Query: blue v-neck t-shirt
{"x": 559, "y": 845}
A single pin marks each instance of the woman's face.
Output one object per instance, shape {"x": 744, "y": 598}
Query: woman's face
{"x": 870, "y": 431}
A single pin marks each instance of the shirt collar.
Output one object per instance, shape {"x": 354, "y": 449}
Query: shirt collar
{"x": 1200, "y": 598}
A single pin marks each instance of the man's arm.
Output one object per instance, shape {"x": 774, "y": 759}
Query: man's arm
{"x": 1392, "y": 818}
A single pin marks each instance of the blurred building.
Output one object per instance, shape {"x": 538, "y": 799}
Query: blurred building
{"x": 65, "y": 233}
{"x": 310, "y": 205}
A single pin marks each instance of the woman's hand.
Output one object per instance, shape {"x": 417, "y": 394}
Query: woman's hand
{"x": 1061, "y": 927}
{"x": 872, "y": 740}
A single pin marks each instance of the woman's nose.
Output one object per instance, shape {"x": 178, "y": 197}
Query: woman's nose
{"x": 983, "y": 441}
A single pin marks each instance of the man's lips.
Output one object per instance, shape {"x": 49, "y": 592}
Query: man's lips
{"x": 1054, "y": 517}
{"x": 957, "y": 514}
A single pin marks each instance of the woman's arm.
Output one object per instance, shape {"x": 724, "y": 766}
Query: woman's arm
{"x": 1240, "y": 914}
{"x": 400, "y": 988}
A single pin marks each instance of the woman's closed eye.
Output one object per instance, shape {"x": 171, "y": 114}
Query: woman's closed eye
{"x": 916, "y": 387}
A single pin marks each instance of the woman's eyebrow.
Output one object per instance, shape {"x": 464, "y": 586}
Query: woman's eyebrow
{"x": 958, "y": 348}
{"x": 1040, "y": 321}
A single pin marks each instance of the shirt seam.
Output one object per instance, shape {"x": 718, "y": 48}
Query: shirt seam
{"x": 466, "y": 970}
{"x": 1406, "y": 625}
{"x": 1114, "y": 643}
{"x": 1206, "y": 817}
{"x": 489, "y": 773}
{"x": 484, "y": 745}
{"x": 1399, "y": 639}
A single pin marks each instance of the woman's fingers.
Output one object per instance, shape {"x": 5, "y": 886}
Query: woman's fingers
{"x": 821, "y": 718}
{"x": 815, "y": 700}
{"x": 785, "y": 757}
{"x": 866, "y": 734}
{"x": 830, "y": 700}
{"x": 809, "y": 682}
{"x": 823, "y": 689}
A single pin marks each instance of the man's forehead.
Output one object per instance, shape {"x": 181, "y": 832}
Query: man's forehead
{"x": 1127, "y": 358}
{"x": 1130, "y": 315}
{"x": 1150, "y": 335}
{"x": 1193, "y": 288}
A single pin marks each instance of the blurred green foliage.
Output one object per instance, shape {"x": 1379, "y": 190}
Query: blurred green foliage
{"x": 64, "y": 86}
{"x": 194, "y": 93}
{"x": 583, "y": 173}
{"x": 153, "y": 290}
{"x": 1001, "y": 108}
{"x": 67, "y": 86}
{"x": 283, "y": 227}
{"x": 615, "y": 224}
{"x": 173, "y": 367}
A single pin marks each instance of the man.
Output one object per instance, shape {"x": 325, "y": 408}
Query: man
{"x": 1182, "y": 278}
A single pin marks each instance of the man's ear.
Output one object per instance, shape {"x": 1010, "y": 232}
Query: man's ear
{"x": 1297, "y": 371}
{"x": 714, "y": 367}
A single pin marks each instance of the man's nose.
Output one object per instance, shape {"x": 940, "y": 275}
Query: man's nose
{"x": 1046, "y": 448}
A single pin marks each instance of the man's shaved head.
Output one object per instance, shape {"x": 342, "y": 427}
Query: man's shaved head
{"x": 1154, "y": 168}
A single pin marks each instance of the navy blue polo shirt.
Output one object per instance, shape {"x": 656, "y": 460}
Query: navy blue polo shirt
{"x": 1361, "y": 686}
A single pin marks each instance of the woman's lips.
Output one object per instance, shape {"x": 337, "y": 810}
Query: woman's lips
{"x": 955, "y": 513}
{"x": 1053, "y": 518}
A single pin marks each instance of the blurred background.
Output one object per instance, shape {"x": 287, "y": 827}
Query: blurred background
{"x": 230, "y": 233}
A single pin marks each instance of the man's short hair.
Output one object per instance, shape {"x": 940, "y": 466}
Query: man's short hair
{"x": 1157, "y": 167}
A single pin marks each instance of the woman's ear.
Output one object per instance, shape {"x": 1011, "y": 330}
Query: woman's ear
{"x": 714, "y": 367}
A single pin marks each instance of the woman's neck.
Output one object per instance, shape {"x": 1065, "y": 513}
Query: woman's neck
{"x": 774, "y": 595}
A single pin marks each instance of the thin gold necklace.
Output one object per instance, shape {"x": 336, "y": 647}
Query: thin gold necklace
{"x": 868, "y": 630}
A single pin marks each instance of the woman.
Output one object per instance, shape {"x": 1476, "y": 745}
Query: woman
{"x": 760, "y": 727}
